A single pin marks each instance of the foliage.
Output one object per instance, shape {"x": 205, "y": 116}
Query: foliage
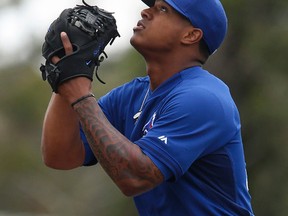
{"x": 252, "y": 61}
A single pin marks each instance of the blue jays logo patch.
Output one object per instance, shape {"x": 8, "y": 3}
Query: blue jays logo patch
{"x": 149, "y": 124}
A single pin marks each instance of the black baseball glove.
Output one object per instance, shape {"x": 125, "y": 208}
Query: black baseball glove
{"x": 89, "y": 29}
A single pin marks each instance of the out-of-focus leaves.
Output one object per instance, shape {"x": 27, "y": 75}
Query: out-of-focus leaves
{"x": 252, "y": 61}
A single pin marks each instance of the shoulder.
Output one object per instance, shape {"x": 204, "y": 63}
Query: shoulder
{"x": 201, "y": 97}
{"x": 202, "y": 79}
{"x": 200, "y": 87}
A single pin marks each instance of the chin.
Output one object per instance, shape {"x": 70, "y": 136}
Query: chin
{"x": 139, "y": 44}
{"x": 134, "y": 42}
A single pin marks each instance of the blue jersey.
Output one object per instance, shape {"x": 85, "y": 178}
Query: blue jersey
{"x": 190, "y": 128}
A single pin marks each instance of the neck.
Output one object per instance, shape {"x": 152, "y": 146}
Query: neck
{"x": 160, "y": 72}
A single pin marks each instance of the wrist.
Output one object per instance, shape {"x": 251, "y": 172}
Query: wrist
{"x": 73, "y": 89}
{"x": 81, "y": 99}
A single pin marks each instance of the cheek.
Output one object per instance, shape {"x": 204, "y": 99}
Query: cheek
{"x": 167, "y": 36}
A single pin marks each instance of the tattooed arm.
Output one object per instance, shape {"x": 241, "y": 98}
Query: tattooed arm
{"x": 131, "y": 170}
{"x": 124, "y": 162}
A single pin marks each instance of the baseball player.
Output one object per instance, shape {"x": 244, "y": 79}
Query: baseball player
{"x": 172, "y": 139}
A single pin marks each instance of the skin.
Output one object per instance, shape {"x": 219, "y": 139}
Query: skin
{"x": 131, "y": 170}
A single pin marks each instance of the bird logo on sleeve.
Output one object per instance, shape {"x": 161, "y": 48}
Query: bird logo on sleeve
{"x": 149, "y": 124}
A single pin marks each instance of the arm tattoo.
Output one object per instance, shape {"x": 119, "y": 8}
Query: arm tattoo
{"x": 121, "y": 159}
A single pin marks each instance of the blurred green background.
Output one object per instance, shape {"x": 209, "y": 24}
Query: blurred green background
{"x": 253, "y": 61}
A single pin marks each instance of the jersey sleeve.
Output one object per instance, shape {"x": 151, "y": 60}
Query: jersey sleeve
{"x": 188, "y": 126}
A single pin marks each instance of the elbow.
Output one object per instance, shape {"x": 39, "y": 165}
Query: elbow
{"x": 59, "y": 164}
{"x": 51, "y": 162}
{"x": 129, "y": 192}
{"x": 61, "y": 160}
{"x": 49, "y": 158}
{"x": 132, "y": 188}
{"x": 132, "y": 185}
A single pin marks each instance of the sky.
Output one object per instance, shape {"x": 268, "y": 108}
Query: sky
{"x": 21, "y": 25}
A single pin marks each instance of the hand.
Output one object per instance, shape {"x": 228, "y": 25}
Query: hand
{"x": 77, "y": 87}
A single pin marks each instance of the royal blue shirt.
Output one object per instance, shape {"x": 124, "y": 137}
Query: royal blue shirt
{"x": 190, "y": 128}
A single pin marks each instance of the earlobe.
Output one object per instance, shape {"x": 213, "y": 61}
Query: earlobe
{"x": 194, "y": 35}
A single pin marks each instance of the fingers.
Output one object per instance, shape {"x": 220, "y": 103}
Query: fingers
{"x": 55, "y": 59}
{"x": 67, "y": 47}
{"x": 66, "y": 43}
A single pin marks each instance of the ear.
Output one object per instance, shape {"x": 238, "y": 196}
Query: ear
{"x": 192, "y": 35}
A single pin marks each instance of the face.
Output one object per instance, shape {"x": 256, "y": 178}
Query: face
{"x": 159, "y": 30}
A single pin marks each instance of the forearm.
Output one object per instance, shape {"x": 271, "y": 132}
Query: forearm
{"x": 124, "y": 161}
{"x": 61, "y": 144}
